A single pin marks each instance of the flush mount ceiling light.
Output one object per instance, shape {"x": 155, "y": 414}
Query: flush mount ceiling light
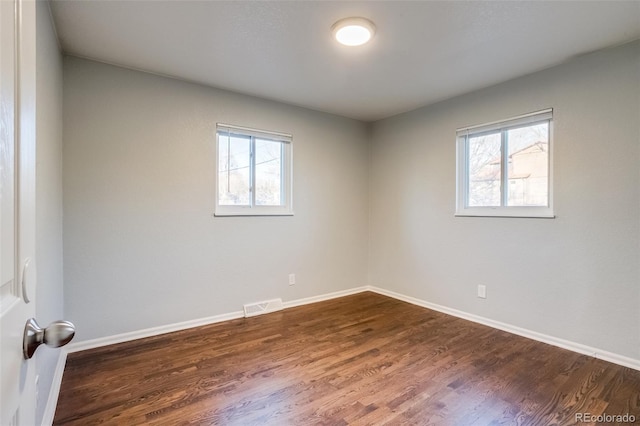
{"x": 353, "y": 31}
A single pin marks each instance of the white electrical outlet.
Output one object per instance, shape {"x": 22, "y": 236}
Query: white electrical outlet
{"x": 482, "y": 291}
{"x": 292, "y": 279}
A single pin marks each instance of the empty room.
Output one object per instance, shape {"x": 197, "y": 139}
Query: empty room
{"x": 319, "y": 212}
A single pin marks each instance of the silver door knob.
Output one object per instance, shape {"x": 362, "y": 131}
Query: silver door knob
{"x": 57, "y": 334}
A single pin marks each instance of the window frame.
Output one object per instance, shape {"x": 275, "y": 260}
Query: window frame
{"x": 253, "y": 209}
{"x": 462, "y": 169}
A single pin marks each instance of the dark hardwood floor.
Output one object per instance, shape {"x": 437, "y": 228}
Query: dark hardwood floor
{"x": 362, "y": 359}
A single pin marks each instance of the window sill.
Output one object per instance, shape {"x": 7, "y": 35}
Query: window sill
{"x": 510, "y": 212}
{"x": 252, "y": 212}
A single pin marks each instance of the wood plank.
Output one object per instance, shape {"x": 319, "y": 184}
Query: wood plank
{"x": 361, "y": 359}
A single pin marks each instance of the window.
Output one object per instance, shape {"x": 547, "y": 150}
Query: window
{"x": 504, "y": 168}
{"x": 254, "y": 172}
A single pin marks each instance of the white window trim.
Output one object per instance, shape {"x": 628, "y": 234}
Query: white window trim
{"x": 462, "y": 190}
{"x": 287, "y": 169}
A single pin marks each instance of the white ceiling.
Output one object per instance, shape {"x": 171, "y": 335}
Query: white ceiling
{"x": 423, "y": 52}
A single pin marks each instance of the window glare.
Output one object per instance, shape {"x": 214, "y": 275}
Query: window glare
{"x": 268, "y": 173}
{"x": 234, "y": 172}
{"x": 528, "y": 171}
{"x": 484, "y": 170}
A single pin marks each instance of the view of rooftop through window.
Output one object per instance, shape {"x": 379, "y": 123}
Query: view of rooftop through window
{"x": 526, "y": 151}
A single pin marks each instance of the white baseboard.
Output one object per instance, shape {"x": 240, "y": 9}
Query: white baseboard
{"x": 54, "y": 392}
{"x": 534, "y": 335}
{"x": 154, "y": 331}
{"x": 323, "y": 297}
{"x": 149, "y": 332}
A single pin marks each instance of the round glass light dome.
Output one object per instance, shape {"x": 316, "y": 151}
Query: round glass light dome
{"x": 353, "y": 31}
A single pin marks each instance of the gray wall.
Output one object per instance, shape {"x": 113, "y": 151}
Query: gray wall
{"x": 576, "y": 277}
{"x": 141, "y": 246}
{"x": 49, "y": 301}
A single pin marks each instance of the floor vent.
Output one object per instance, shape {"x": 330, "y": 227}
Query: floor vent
{"x": 259, "y": 308}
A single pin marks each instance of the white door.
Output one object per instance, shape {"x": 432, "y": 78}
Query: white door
{"x": 17, "y": 208}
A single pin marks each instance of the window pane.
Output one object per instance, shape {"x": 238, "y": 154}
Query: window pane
{"x": 528, "y": 171}
{"x": 269, "y": 177}
{"x": 484, "y": 170}
{"x": 234, "y": 173}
